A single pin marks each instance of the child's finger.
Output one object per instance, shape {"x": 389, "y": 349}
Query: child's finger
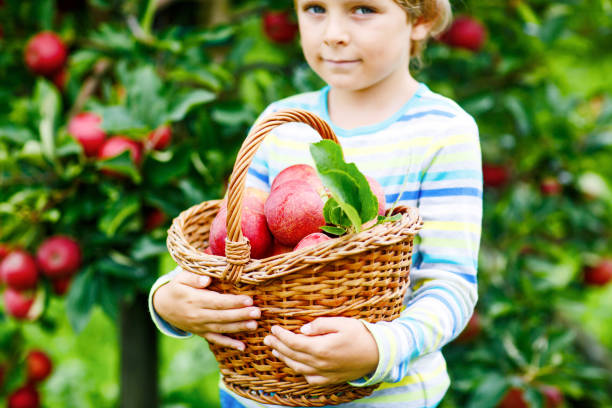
{"x": 224, "y": 341}
{"x": 229, "y": 327}
{"x": 192, "y": 279}
{"x": 279, "y": 347}
{"x": 230, "y": 315}
{"x": 220, "y": 301}
{"x": 296, "y": 366}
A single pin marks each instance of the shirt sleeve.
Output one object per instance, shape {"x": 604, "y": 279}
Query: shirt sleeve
{"x": 163, "y": 326}
{"x": 445, "y": 259}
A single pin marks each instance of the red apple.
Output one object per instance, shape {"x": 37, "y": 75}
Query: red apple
{"x": 279, "y": 26}
{"x": 38, "y": 365}
{"x": 61, "y": 285}
{"x": 302, "y": 172}
{"x": 252, "y": 223}
{"x": 117, "y": 145}
{"x": 60, "y": 78}
{"x": 160, "y": 138}
{"x": 17, "y": 303}
{"x": 85, "y": 128}
{"x": 208, "y": 250}
{"x": 311, "y": 240}
{"x": 154, "y": 218}
{"x": 552, "y": 395}
{"x": 59, "y": 256}
{"x": 293, "y": 210}
{"x": 513, "y": 399}
{"x": 18, "y": 270}
{"x": 278, "y": 248}
{"x": 4, "y": 251}
{"x": 379, "y": 193}
{"x": 550, "y": 186}
{"x": 495, "y": 175}
{"x": 45, "y": 53}
{"x": 24, "y": 397}
{"x": 465, "y": 32}
{"x": 600, "y": 274}
{"x": 2, "y": 373}
{"x": 472, "y": 329}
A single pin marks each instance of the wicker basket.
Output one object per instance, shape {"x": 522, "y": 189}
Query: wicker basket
{"x": 363, "y": 275}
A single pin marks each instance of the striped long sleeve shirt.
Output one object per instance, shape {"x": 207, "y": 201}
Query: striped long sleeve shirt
{"x": 427, "y": 155}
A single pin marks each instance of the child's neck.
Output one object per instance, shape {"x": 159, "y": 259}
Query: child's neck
{"x": 350, "y": 109}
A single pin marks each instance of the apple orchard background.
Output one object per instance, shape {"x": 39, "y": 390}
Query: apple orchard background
{"x": 117, "y": 115}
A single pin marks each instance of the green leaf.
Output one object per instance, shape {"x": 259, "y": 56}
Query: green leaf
{"x": 81, "y": 298}
{"x": 187, "y": 102}
{"x": 489, "y": 392}
{"x": 117, "y": 119}
{"x": 121, "y": 267}
{"x": 212, "y": 36}
{"x": 145, "y": 99}
{"x": 118, "y": 214}
{"x": 158, "y": 172}
{"x": 147, "y": 247}
{"x": 333, "y": 230}
{"x": 15, "y": 134}
{"x": 347, "y": 185}
{"x": 392, "y": 218}
{"x": 121, "y": 164}
{"x": 334, "y": 215}
{"x": 48, "y": 101}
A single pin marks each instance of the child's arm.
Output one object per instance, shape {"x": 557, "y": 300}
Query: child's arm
{"x": 443, "y": 276}
{"x": 183, "y": 306}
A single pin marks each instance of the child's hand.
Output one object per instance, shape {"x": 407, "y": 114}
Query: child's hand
{"x": 185, "y": 303}
{"x": 332, "y": 350}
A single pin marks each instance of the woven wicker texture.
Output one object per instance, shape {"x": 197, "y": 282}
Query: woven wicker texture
{"x": 363, "y": 275}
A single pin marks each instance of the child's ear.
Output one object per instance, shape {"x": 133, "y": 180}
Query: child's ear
{"x": 421, "y": 29}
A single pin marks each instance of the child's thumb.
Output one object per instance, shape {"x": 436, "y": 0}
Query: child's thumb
{"x": 321, "y": 325}
{"x": 194, "y": 280}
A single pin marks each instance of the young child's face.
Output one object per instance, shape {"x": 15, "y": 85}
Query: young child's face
{"x": 355, "y": 44}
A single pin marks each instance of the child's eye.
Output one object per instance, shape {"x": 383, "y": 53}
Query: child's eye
{"x": 315, "y": 9}
{"x": 364, "y": 10}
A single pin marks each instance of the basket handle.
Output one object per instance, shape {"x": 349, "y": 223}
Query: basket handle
{"x": 237, "y": 247}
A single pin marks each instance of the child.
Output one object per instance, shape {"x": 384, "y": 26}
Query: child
{"x": 423, "y": 149}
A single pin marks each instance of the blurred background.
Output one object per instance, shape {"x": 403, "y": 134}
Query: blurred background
{"x": 117, "y": 115}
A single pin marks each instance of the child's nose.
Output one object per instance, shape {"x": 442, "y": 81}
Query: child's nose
{"x": 336, "y": 32}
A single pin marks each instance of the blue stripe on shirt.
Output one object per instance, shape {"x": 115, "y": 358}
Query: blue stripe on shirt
{"x": 262, "y": 177}
{"x": 425, "y": 113}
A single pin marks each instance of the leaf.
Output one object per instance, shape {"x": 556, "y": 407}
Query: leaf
{"x": 159, "y": 173}
{"x": 212, "y": 36}
{"x": 334, "y": 215}
{"x": 48, "y": 101}
{"x": 15, "y": 134}
{"x": 187, "y": 102}
{"x": 121, "y": 164}
{"x": 81, "y": 298}
{"x": 147, "y": 247}
{"x": 333, "y": 230}
{"x": 117, "y": 119}
{"x": 117, "y": 214}
{"x": 391, "y": 218}
{"x": 347, "y": 185}
{"x": 489, "y": 392}
{"x": 121, "y": 267}
{"x": 145, "y": 100}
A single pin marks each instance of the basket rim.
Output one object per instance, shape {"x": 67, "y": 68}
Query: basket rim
{"x": 257, "y": 271}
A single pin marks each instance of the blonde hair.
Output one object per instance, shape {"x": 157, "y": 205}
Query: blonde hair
{"x": 436, "y": 13}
